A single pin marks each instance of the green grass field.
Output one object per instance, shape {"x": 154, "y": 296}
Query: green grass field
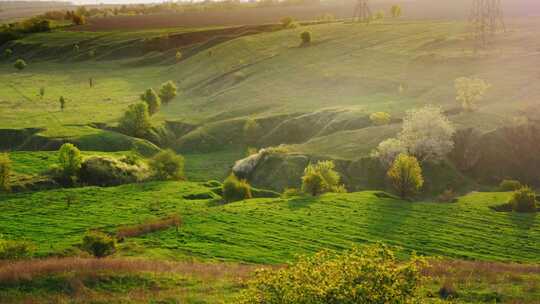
{"x": 271, "y": 230}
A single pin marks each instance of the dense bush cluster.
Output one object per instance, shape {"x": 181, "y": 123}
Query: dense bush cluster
{"x": 369, "y": 276}
{"x": 98, "y": 244}
{"x": 136, "y": 120}
{"x": 235, "y": 189}
{"x": 509, "y": 185}
{"x": 167, "y": 165}
{"x": 524, "y": 200}
{"x": 320, "y": 178}
{"x": 15, "y": 250}
{"x": 109, "y": 171}
{"x": 5, "y": 172}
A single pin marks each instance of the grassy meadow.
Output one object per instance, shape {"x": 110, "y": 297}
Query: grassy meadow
{"x": 316, "y": 99}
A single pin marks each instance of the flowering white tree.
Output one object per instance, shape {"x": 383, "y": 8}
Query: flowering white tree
{"x": 388, "y": 150}
{"x": 426, "y": 134}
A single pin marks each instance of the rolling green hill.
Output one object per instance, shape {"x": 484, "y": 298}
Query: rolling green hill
{"x": 270, "y": 230}
{"x": 391, "y": 66}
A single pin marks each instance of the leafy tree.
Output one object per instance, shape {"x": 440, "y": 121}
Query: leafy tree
{"x": 168, "y": 91}
{"x": 406, "y": 175}
{"x": 41, "y": 92}
{"x": 469, "y": 91}
{"x": 235, "y": 190}
{"x": 62, "y": 102}
{"x": 167, "y": 165}
{"x": 8, "y": 53}
{"x": 98, "y": 244}
{"x": 70, "y": 160}
{"x": 523, "y": 200}
{"x": 396, "y": 11}
{"x": 380, "y": 118}
{"x": 152, "y": 100}
{"x": 252, "y": 131}
{"x": 372, "y": 275}
{"x": 427, "y": 133}
{"x": 20, "y": 64}
{"x": 305, "y": 37}
{"x": 178, "y": 56}
{"x": 5, "y": 172}
{"x": 321, "y": 178}
{"x": 136, "y": 120}
{"x": 78, "y": 19}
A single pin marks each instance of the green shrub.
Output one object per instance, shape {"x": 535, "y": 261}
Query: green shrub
{"x": 20, "y": 64}
{"x": 306, "y": 38}
{"x": 152, "y": 100}
{"x": 62, "y": 102}
{"x": 168, "y": 91}
{"x": 178, "y": 56}
{"x": 98, "y": 244}
{"x": 66, "y": 172}
{"x": 288, "y": 22}
{"x": 5, "y": 172}
{"x": 8, "y": 53}
{"x": 320, "y": 178}
{"x": 523, "y": 200}
{"x": 508, "y": 185}
{"x": 370, "y": 276}
{"x": 108, "y": 171}
{"x": 380, "y": 118}
{"x": 167, "y": 165}
{"x": 15, "y": 250}
{"x": 136, "y": 120}
{"x": 406, "y": 175}
{"x": 236, "y": 190}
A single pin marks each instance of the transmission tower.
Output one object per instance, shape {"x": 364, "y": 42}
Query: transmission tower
{"x": 486, "y": 20}
{"x": 362, "y": 12}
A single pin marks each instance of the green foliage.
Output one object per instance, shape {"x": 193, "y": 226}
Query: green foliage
{"x": 469, "y": 91}
{"x": 78, "y": 19}
{"x": 136, "y": 120}
{"x": 15, "y": 250}
{"x": 321, "y": 178}
{"x": 168, "y": 91}
{"x": 5, "y": 172}
{"x": 8, "y": 53}
{"x": 252, "y": 131}
{"x": 62, "y": 102}
{"x": 396, "y": 11}
{"x": 41, "y": 92}
{"x": 235, "y": 190}
{"x": 406, "y": 175}
{"x": 509, "y": 185}
{"x": 109, "y": 171}
{"x": 369, "y": 276}
{"x": 70, "y": 161}
{"x": 20, "y": 64}
{"x": 288, "y": 22}
{"x": 98, "y": 244}
{"x": 178, "y": 56}
{"x": 523, "y": 200}
{"x": 306, "y": 38}
{"x": 380, "y": 118}
{"x": 152, "y": 100}
{"x": 167, "y": 165}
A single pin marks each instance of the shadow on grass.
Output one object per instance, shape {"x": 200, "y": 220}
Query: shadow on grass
{"x": 299, "y": 202}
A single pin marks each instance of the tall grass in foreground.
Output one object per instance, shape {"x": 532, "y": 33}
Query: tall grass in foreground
{"x": 12, "y": 272}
